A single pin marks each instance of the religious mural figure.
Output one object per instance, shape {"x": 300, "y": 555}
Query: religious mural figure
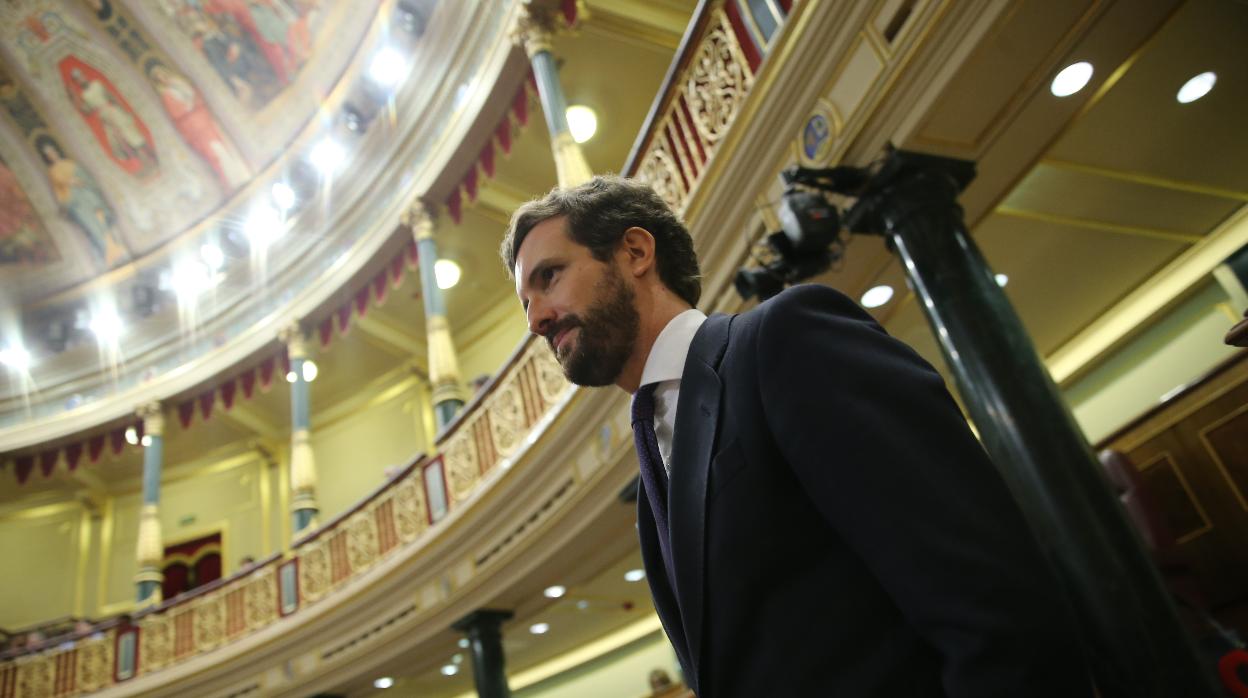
{"x": 256, "y": 46}
{"x": 198, "y": 128}
{"x": 80, "y": 198}
{"x": 123, "y": 136}
{"x": 23, "y": 239}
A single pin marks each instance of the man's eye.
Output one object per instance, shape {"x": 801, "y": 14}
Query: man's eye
{"x": 548, "y": 274}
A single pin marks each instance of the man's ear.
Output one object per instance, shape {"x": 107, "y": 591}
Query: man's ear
{"x": 637, "y": 248}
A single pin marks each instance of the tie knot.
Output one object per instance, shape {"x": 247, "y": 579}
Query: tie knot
{"x": 643, "y": 403}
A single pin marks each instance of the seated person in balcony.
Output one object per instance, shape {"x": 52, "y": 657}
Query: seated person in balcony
{"x": 816, "y": 517}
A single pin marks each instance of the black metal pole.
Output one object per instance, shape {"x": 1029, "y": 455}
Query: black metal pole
{"x": 1134, "y": 641}
{"x": 483, "y": 628}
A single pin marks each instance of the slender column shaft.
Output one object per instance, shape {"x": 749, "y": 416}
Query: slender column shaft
{"x": 443, "y": 364}
{"x": 483, "y": 629}
{"x": 150, "y": 551}
{"x": 1136, "y": 645}
{"x": 533, "y": 31}
{"x": 302, "y": 461}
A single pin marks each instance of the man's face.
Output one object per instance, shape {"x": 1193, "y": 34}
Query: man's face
{"x": 583, "y": 307}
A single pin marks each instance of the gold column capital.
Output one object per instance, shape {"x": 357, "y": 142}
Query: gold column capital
{"x": 419, "y": 219}
{"x": 153, "y": 418}
{"x": 292, "y": 336}
{"x": 533, "y": 28}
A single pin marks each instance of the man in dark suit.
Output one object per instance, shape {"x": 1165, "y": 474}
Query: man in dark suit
{"x": 815, "y": 515}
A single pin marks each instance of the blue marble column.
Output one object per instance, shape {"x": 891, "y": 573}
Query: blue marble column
{"x": 302, "y": 462}
{"x": 151, "y": 551}
{"x": 533, "y": 30}
{"x": 448, "y": 395}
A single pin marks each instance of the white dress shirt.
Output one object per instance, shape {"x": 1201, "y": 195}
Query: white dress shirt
{"x": 664, "y": 366}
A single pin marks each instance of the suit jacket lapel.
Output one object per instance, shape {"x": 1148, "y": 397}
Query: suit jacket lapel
{"x": 697, "y": 414}
{"x": 656, "y": 575}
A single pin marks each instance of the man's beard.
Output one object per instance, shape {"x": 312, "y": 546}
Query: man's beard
{"x": 607, "y": 333}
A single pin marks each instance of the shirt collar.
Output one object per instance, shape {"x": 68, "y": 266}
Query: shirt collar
{"x": 667, "y": 357}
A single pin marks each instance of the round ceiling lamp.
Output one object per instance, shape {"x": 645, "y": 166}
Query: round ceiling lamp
{"x": 446, "y": 273}
{"x": 582, "y": 122}
{"x": 387, "y": 67}
{"x": 1071, "y": 79}
{"x": 1197, "y": 87}
{"x": 877, "y": 296}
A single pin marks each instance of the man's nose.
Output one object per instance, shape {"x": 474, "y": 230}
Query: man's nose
{"x": 540, "y": 317}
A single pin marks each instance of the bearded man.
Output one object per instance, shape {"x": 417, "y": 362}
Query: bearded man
{"x": 816, "y": 517}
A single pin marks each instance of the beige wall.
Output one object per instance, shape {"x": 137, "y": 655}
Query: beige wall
{"x": 43, "y": 573}
{"x": 489, "y": 341}
{"x": 621, "y": 673}
{"x": 1179, "y": 348}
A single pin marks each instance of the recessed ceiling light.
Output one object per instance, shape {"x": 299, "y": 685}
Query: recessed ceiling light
{"x": 539, "y": 628}
{"x": 634, "y": 575}
{"x": 263, "y": 226}
{"x": 132, "y": 436}
{"x": 387, "y": 67}
{"x": 582, "y": 605}
{"x": 446, "y": 273}
{"x": 15, "y": 357}
{"x": 106, "y": 325}
{"x": 463, "y": 642}
{"x": 283, "y": 196}
{"x": 554, "y": 592}
{"x": 212, "y": 256}
{"x": 449, "y": 670}
{"x": 877, "y": 296}
{"x": 457, "y": 658}
{"x": 310, "y": 371}
{"x": 1071, "y": 79}
{"x": 383, "y": 682}
{"x": 291, "y": 376}
{"x": 146, "y": 440}
{"x": 1197, "y": 87}
{"x": 190, "y": 279}
{"x": 326, "y": 156}
{"x": 582, "y": 122}
{"x": 1002, "y": 279}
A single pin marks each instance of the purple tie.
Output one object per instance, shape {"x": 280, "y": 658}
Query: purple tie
{"x": 653, "y": 475}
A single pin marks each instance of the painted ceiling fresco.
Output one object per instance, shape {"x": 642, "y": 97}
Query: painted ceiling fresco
{"x": 126, "y": 124}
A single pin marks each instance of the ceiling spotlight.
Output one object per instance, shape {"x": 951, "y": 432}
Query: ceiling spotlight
{"x": 457, "y": 658}
{"x": 1071, "y": 79}
{"x": 132, "y": 436}
{"x": 388, "y": 67}
{"x": 539, "y": 628}
{"x": 582, "y": 605}
{"x": 554, "y": 592}
{"x": 446, "y": 273}
{"x": 1002, "y": 280}
{"x": 877, "y": 296}
{"x": 146, "y": 440}
{"x": 634, "y": 575}
{"x": 1197, "y": 87}
{"x": 309, "y": 371}
{"x": 450, "y": 670}
{"x": 212, "y": 256}
{"x": 283, "y": 195}
{"x": 463, "y": 642}
{"x": 326, "y": 156}
{"x": 15, "y": 357}
{"x": 191, "y": 279}
{"x": 383, "y": 682}
{"x": 106, "y": 325}
{"x": 263, "y": 226}
{"x": 582, "y": 122}
{"x": 291, "y": 376}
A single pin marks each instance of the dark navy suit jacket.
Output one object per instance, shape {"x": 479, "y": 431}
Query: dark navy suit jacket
{"x": 836, "y": 528}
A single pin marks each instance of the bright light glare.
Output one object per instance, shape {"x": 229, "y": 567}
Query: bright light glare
{"x": 383, "y": 682}
{"x": 191, "y": 279}
{"x": 582, "y": 122}
{"x": 16, "y": 358}
{"x": 310, "y": 371}
{"x": 212, "y": 255}
{"x": 877, "y": 296}
{"x": 263, "y": 226}
{"x": 132, "y": 436}
{"x": 634, "y": 575}
{"x": 554, "y": 592}
{"x": 388, "y": 67}
{"x": 450, "y": 670}
{"x": 1002, "y": 279}
{"x": 1197, "y": 87}
{"x": 291, "y": 376}
{"x": 326, "y": 156}
{"x": 1072, "y": 79}
{"x": 283, "y": 196}
{"x": 463, "y": 642}
{"x": 446, "y": 273}
{"x": 147, "y": 440}
{"x": 539, "y": 628}
{"x": 106, "y": 325}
